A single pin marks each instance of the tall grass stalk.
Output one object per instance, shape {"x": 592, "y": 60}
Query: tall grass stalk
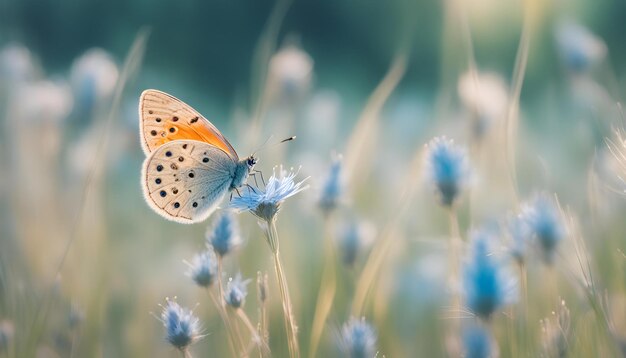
{"x": 522, "y": 323}
{"x": 453, "y": 344}
{"x": 587, "y": 283}
{"x": 290, "y": 320}
{"x": 221, "y": 307}
{"x": 131, "y": 66}
{"x": 265, "y": 48}
{"x": 254, "y": 333}
{"x": 384, "y": 243}
{"x": 519, "y": 70}
{"x": 327, "y": 289}
{"x": 237, "y": 332}
{"x": 358, "y": 157}
{"x": 222, "y": 312}
{"x": 263, "y": 325}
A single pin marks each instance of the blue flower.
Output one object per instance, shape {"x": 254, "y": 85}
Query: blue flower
{"x": 265, "y": 204}
{"x": 203, "y": 268}
{"x": 546, "y": 225}
{"x": 181, "y": 326}
{"x": 580, "y": 49}
{"x": 487, "y": 283}
{"x": 75, "y": 317}
{"x": 354, "y": 237}
{"x": 477, "y": 341}
{"x": 236, "y": 291}
{"x": 358, "y": 339}
{"x": 224, "y": 235}
{"x": 332, "y": 189}
{"x": 448, "y": 168}
{"x": 350, "y": 244}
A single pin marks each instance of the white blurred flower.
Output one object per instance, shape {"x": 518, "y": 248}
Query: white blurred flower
{"x": 579, "y": 48}
{"x": 93, "y": 77}
{"x": 324, "y": 107}
{"x": 291, "y": 69}
{"x": 485, "y": 94}
{"x": 42, "y": 101}
{"x": 17, "y": 64}
{"x": 322, "y": 117}
{"x": 35, "y": 117}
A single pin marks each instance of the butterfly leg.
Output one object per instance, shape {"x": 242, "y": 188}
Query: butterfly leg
{"x": 255, "y": 181}
{"x": 251, "y": 187}
{"x": 261, "y": 174}
{"x": 237, "y": 190}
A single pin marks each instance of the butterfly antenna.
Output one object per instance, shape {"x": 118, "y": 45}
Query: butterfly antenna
{"x": 264, "y": 145}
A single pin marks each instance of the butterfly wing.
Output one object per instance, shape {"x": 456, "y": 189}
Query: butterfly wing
{"x": 165, "y": 118}
{"x": 185, "y": 180}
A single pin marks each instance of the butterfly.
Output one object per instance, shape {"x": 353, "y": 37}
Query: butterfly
{"x": 190, "y": 166}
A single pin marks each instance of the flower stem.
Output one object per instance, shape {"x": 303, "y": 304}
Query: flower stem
{"x": 222, "y": 308}
{"x": 524, "y": 307}
{"x": 454, "y": 261}
{"x": 263, "y": 326}
{"x": 223, "y": 315}
{"x": 290, "y": 323}
{"x": 254, "y": 333}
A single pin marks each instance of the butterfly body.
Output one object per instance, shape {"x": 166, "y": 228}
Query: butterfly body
{"x": 190, "y": 166}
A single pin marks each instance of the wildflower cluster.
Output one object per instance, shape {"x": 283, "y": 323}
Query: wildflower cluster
{"x": 266, "y": 203}
{"x": 487, "y": 284}
{"x": 448, "y": 169}
{"x": 182, "y": 328}
{"x": 358, "y": 338}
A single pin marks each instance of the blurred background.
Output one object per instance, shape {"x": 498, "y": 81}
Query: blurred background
{"x": 531, "y": 90}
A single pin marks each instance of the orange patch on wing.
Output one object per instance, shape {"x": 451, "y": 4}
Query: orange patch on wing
{"x": 194, "y": 131}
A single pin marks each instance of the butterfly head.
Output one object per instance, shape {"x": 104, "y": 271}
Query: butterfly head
{"x": 251, "y": 161}
{"x": 242, "y": 171}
